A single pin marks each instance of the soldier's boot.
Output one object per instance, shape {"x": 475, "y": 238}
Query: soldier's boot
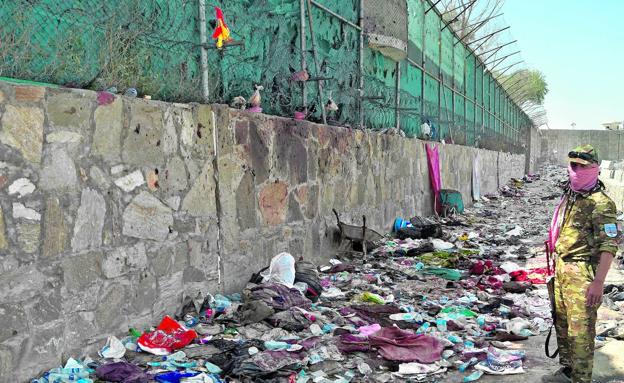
{"x": 562, "y": 375}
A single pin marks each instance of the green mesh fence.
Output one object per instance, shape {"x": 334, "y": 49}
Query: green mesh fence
{"x": 154, "y": 45}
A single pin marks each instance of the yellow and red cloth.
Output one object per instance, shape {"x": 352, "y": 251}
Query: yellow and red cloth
{"x": 222, "y": 32}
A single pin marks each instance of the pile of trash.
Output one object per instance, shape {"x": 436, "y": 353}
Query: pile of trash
{"x": 435, "y": 296}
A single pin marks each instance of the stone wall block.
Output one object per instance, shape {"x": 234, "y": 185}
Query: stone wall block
{"x": 259, "y": 152}
{"x": 81, "y": 271}
{"x": 70, "y": 109}
{"x": 22, "y": 129}
{"x": 170, "y": 136}
{"x": 13, "y": 288}
{"x": 202, "y": 136}
{"x": 147, "y": 218}
{"x": 59, "y": 171}
{"x": 4, "y": 242}
{"x": 273, "y": 200}
{"x": 174, "y": 178}
{"x": 109, "y": 314}
{"x": 143, "y": 137}
{"x": 29, "y": 93}
{"x": 108, "y": 129}
{"x": 89, "y": 221}
{"x": 13, "y": 319}
{"x": 199, "y": 201}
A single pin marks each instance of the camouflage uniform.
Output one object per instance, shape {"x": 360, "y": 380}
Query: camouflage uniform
{"x": 586, "y": 232}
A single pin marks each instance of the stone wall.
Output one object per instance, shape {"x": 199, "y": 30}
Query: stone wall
{"x": 112, "y": 208}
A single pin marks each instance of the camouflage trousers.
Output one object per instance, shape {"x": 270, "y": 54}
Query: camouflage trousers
{"x": 576, "y": 323}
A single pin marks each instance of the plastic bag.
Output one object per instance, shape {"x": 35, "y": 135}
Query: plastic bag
{"x": 114, "y": 349}
{"x": 281, "y": 270}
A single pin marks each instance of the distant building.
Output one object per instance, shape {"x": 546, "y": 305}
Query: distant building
{"x": 616, "y": 125}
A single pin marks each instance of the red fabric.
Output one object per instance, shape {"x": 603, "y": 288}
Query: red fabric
{"x": 490, "y": 282}
{"x": 433, "y": 163}
{"x": 405, "y": 346}
{"x": 480, "y": 268}
{"x": 536, "y": 276}
{"x": 169, "y": 336}
{"x": 222, "y": 28}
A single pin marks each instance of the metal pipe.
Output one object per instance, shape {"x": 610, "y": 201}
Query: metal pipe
{"x": 302, "y": 42}
{"x": 316, "y": 63}
{"x": 324, "y": 8}
{"x": 204, "y": 52}
{"x": 361, "y": 63}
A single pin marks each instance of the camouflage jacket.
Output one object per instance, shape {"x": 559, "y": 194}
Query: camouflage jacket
{"x": 589, "y": 227}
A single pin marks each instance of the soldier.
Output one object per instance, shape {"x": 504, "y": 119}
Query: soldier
{"x": 584, "y": 236}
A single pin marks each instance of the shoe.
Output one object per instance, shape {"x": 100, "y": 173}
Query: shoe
{"x": 562, "y": 375}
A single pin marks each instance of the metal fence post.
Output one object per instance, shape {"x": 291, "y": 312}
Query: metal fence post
{"x": 361, "y": 63}
{"x": 397, "y": 113}
{"x": 204, "y": 50}
{"x": 302, "y": 40}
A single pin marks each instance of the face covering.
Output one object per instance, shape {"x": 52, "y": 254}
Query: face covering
{"x": 583, "y": 179}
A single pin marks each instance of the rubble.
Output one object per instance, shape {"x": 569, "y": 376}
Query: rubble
{"x": 444, "y": 297}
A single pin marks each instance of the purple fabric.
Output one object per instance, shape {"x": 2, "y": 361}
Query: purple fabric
{"x": 341, "y": 267}
{"x": 433, "y": 163}
{"x": 352, "y": 343}
{"x": 405, "y": 346}
{"x": 123, "y": 372}
{"x": 280, "y": 297}
{"x": 105, "y": 98}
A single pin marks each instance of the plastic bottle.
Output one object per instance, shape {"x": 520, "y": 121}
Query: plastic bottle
{"x": 411, "y": 317}
{"x": 134, "y": 332}
{"x": 176, "y": 356}
{"x": 221, "y": 303}
{"x": 441, "y": 325}
{"x": 464, "y": 366}
{"x": 481, "y": 321}
{"x": 423, "y": 329}
{"x": 213, "y": 368}
{"x": 474, "y": 376}
{"x": 407, "y": 309}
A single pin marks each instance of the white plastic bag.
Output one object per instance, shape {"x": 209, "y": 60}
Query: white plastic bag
{"x": 281, "y": 270}
{"x": 114, "y": 349}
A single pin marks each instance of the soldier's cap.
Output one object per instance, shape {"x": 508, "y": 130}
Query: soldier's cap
{"x": 584, "y": 154}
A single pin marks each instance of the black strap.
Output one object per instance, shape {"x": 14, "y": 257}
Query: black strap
{"x": 546, "y": 345}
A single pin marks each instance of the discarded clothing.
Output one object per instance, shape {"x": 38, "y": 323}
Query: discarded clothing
{"x": 122, "y": 372}
{"x": 168, "y": 336}
{"x": 405, "y": 346}
{"x": 279, "y": 297}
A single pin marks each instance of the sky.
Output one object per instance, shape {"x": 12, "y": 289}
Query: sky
{"x": 579, "y": 46}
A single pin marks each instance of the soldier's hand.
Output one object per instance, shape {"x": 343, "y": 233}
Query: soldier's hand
{"x": 593, "y": 294}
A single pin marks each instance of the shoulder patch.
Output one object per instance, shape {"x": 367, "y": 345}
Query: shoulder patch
{"x": 611, "y": 230}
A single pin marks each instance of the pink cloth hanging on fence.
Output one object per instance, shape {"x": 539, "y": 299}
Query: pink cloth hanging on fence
{"x": 433, "y": 163}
